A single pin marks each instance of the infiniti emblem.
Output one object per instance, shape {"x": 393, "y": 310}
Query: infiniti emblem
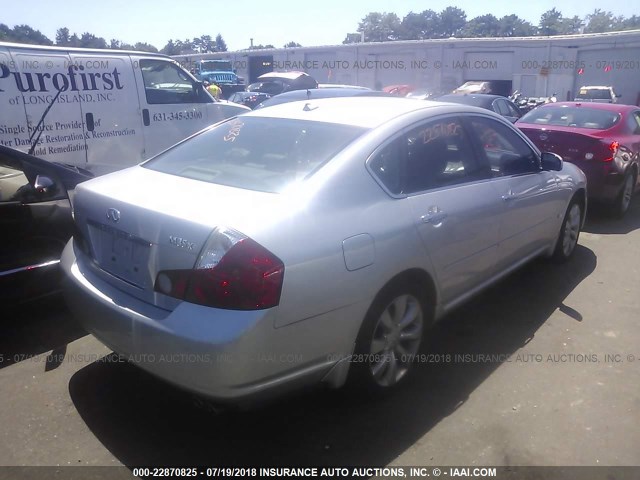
{"x": 113, "y": 215}
{"x": 543, "y": 136}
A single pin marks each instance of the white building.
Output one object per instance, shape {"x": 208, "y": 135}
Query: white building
{"x": 537, "y": 66}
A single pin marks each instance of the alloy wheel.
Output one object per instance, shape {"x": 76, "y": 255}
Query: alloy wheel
{"x": 396, "y": 340}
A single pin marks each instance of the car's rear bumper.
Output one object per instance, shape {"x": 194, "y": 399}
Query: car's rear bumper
{"x": 604, "y": 181}
{"x": 226, "y": 355}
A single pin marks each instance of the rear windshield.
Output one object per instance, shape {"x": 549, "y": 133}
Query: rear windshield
{"x": 594, "y": 94}
{"x": 567, "y": 116}
{"x": 255, "y": 153}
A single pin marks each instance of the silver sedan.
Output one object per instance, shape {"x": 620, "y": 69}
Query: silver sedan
{"x": 312, "y": 242}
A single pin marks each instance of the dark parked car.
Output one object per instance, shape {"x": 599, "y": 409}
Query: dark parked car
{"x": 496, "y": 103}
{"x": 275, "y": 83}
{"x": 249, "y": 99}
{"x": 35, "y": 220}
{"x": 603, "y": 139}
{"x": 321, "y": 93}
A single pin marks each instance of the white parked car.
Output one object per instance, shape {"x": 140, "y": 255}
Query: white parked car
{"x": 599, "y": 94}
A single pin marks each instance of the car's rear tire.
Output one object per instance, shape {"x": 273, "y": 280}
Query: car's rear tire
{"x": 621, "y": 205}
{"x": 569, "y": 232}
{"x": 389, "y": 339}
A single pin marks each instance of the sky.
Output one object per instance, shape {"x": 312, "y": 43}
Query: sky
{"x": 310, "y": 23}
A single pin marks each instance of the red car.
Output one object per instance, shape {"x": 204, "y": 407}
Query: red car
{"x": 602, "y": 139}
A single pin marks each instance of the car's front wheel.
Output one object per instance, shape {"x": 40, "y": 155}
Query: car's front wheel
{"x": 569, "y": 232}
{"x": 389, "y": 339}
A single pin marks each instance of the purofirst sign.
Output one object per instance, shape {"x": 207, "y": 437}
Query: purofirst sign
{"x": 74, "y": 79}
{"x": 101, "y": 110}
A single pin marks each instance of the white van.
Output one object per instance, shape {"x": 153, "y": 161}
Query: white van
{"x": 99, "y": 109}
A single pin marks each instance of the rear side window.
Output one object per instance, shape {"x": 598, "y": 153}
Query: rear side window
{"x": 513, "y": 111}
{"x": 568, "y": 116}
{"x": 256, "y": 153}
{"x": 633, "y": 121}
{"x": 433, "y": 155}
{"x": 501, "y": 107}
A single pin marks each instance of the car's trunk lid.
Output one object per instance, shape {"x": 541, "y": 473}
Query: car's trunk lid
{"x": 570, "y": 144}
{"x": 138, "y": 222}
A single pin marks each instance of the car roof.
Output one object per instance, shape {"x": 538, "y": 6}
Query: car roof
{"x": 611, "y": 107}
{"x": 287, "y": 75}
{"x": 360, "y": 111}
{"x": 470, "y": 98}
{"x": 341, "y": 85}
{"x": 314, "y": 93}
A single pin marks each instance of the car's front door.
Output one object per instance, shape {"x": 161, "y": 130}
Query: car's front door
{"x": 455, "y": 208}
{"x": 533, "y": 203}
{"x": 173, "y": 104}
{"x": 35, "y": 218}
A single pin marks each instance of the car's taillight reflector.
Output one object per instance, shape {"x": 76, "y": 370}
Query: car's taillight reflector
{"x": 612, "y": 150}
{"x": 233, "y": 272}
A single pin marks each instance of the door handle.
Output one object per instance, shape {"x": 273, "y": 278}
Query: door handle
{"x": 91, "y": 125}
{"x": 509, "y": 196}
{"x": 145, "y": 117}
{"x": 435, "y": 217}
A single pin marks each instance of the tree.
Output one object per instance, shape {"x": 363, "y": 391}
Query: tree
{"x": 89, "y": 40}
{"x": 420, "y": 26}
{"x": 352, "y": 38}
{"x": 74, "y": 41}
{"x": 600, "y": 21}
{"x": 187, "y": 46}
{"x": 145, "y": 47}
{"x": 630, "y": 23}
{"x": 5, "y": 32}
{"x": 482, "y": 26}
{"x": 171, "y": 48}
{"x": 221, "y": 45}
{"x": 380, "y": 27}
{"x": 62, "y": 36}
{"x": 452, "y": 21}
{"x": 573, "y": 25}
{"x": 26, "y": 34}
{"x": 550, "y": 23}
{"x": 204, "y": 44}
{"x": 292, "y": 45}
{"x": 514, "y": 26}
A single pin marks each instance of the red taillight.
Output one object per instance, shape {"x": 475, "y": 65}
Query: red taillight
{"x": 246, "y": 277}
{"x": 612, "y": 150}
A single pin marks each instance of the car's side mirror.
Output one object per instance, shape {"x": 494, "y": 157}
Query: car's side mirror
{"x": 551, "y": 161}
{"x": 44, "y": 185}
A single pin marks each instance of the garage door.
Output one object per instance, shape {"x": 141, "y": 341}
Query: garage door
{"x": 489, "y": 65}
{"x": 618, "y": 67}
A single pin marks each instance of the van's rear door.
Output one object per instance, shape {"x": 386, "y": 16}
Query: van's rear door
{"x": 110, "y": 111}
{"x": 38, "y": 76}
{"x": 173, "y": 103}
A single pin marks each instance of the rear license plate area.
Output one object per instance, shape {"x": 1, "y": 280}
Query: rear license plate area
{"x": 122, "y": 254}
